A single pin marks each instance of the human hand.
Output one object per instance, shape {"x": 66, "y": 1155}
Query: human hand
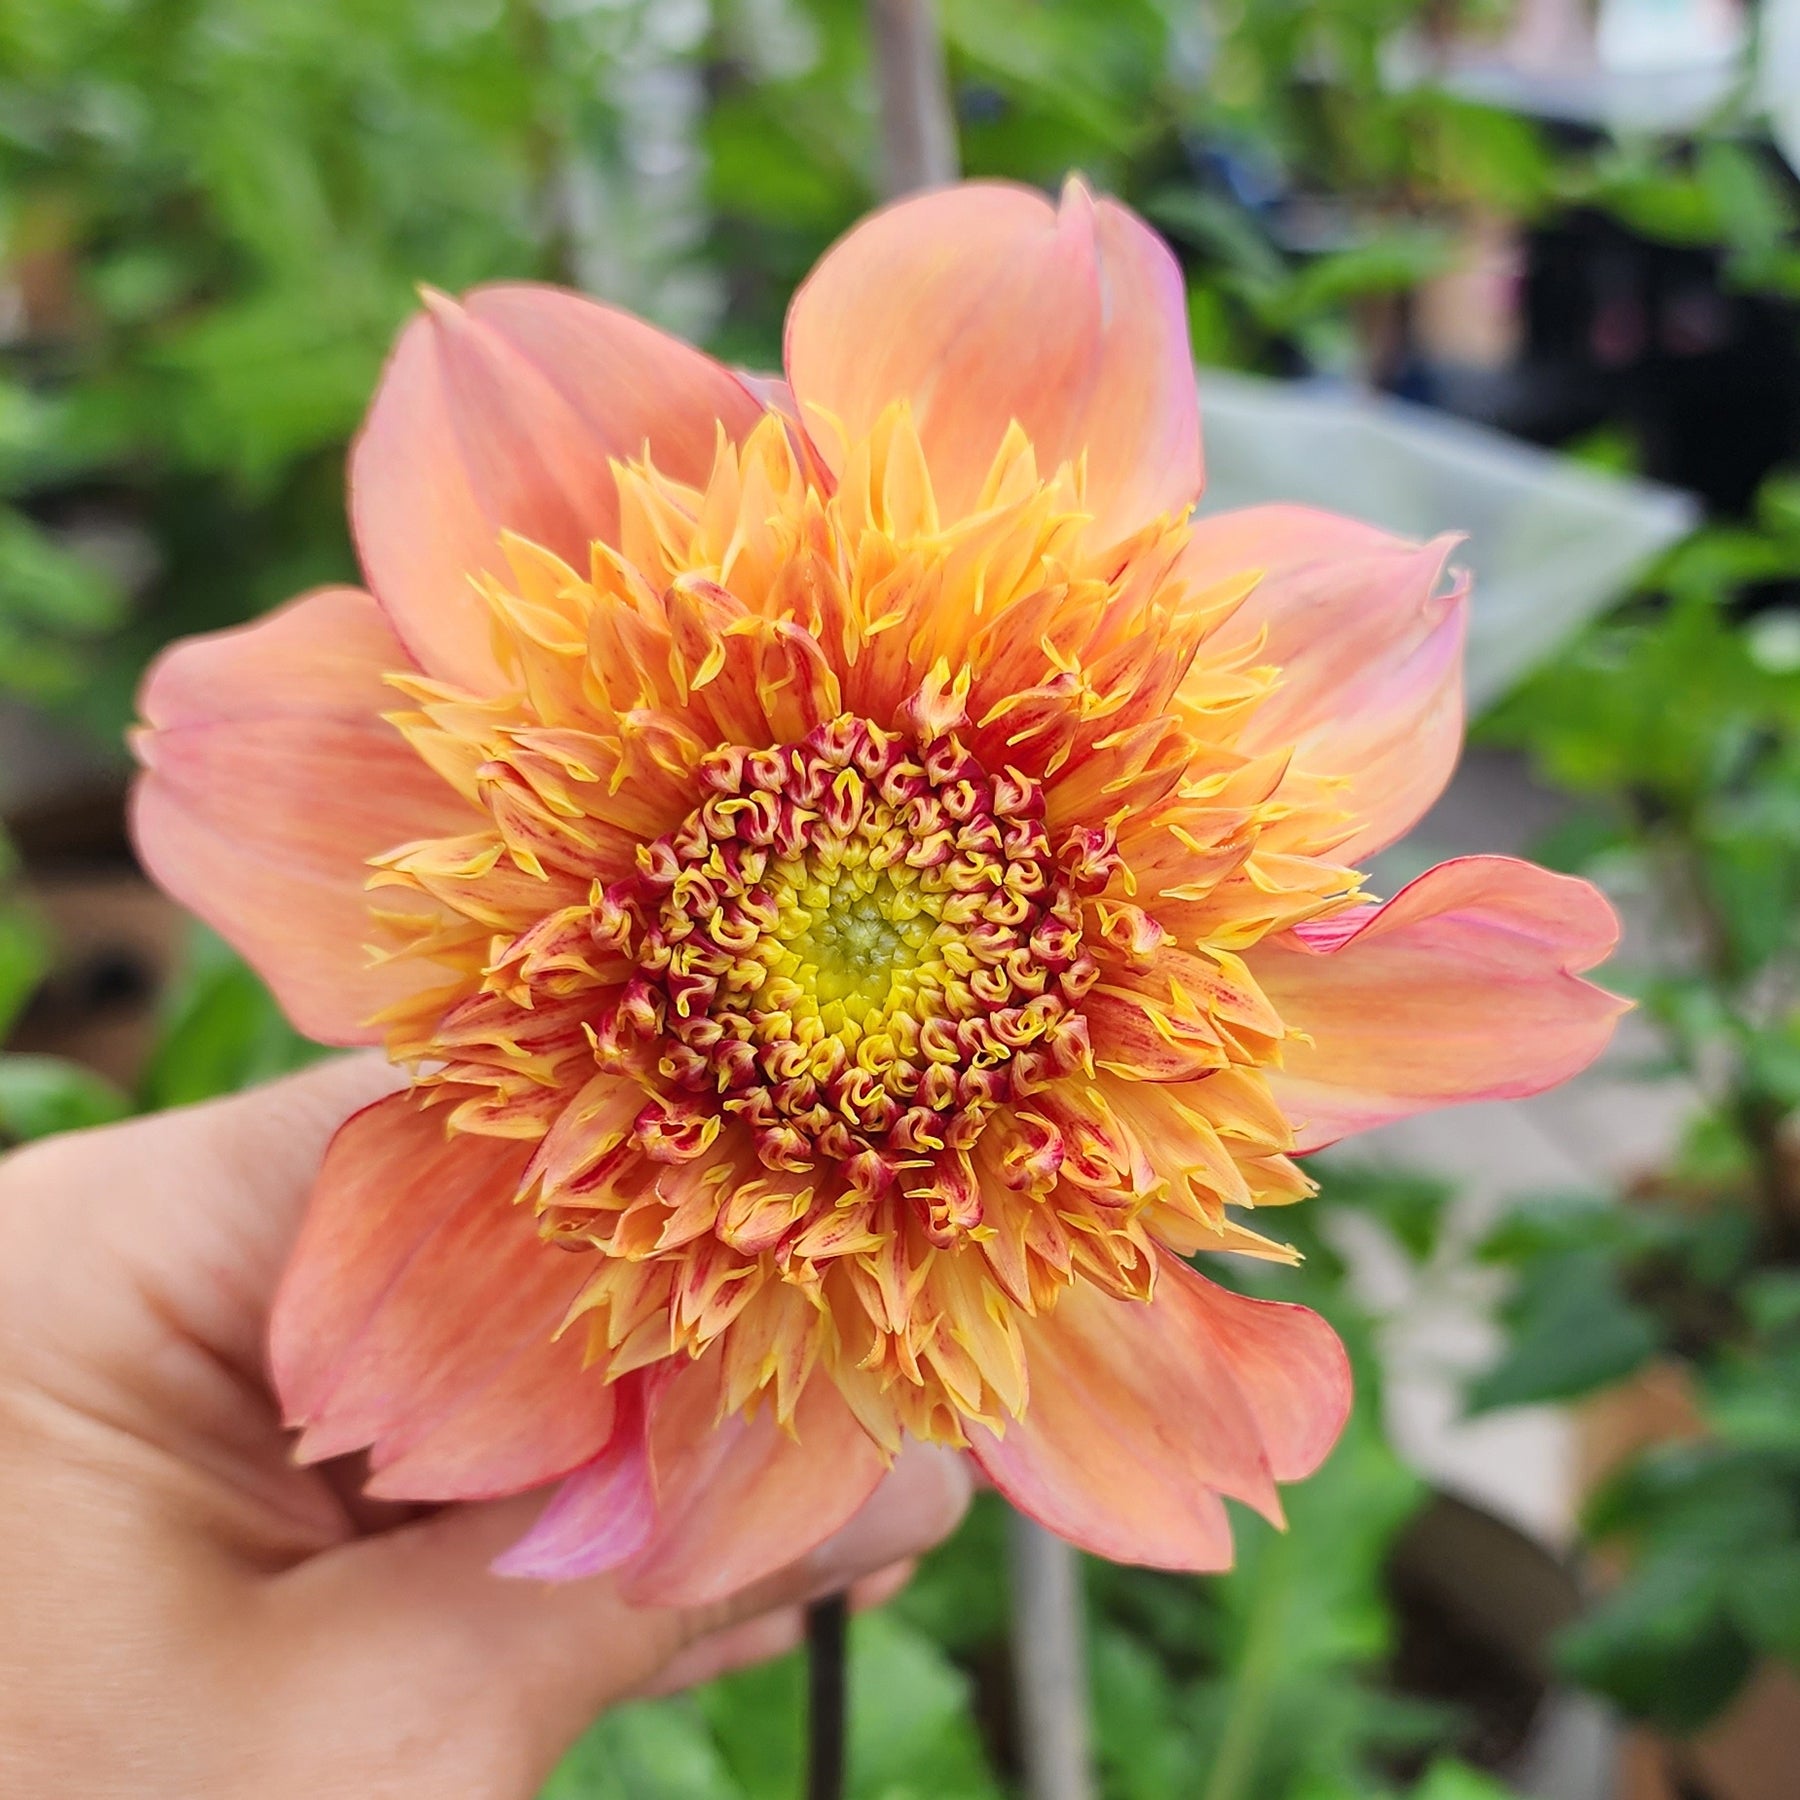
{"x": 186, "y": 1613}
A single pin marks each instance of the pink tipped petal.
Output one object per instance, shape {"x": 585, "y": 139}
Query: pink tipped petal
{"x": 739, "y": 1498}
{"x": 1142, "y": 1416}
{"x": 599, "y": 1518}
{"x": 502, "y": 414}
{"x": 418, "y": 1315}
{"x": 1465, "y": 986}
{"x": 269, "y": 782}
{"x": 1369, "y": 641}
{"x": 983, "y": 304}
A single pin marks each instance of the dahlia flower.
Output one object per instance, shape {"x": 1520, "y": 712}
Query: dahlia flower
{"x": 865, "y": 887}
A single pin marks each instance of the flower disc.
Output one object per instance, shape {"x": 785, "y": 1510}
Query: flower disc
{"x": 860, "y": 947}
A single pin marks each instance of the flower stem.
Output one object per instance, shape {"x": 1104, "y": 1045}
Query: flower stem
{"x": 1049, "y": 1657}
{"x": 827, "y": 1691}
{"x": 918, "y": 123}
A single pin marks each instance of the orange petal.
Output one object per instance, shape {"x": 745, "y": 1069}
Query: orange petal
{"x": 983, "y": 304}
{"x": 418, "y": 1316}
{"x": 1370, "y": 648}
{"x": 740, "y": 1498}
{"x": 1465, "y": 986}
{"x": 269, "y": 782}
{"x": 501, "y": 414}
{"x": 1142, "y": 1415}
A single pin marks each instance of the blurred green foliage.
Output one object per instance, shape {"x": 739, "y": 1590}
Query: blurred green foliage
{"x": 740, "y": 1738}
{"x": 38, "y": 1094}
{"x": 216, "y": 215}
{"x": 1677, "y": 724}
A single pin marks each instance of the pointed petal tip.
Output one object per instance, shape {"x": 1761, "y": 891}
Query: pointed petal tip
{"x": 436, "y": 301}
{"x": 1468, "y": 985}
{"x": 600, "y": 1517}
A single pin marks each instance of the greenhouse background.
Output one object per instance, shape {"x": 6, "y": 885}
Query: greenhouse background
{"x": 1530, "y": 272}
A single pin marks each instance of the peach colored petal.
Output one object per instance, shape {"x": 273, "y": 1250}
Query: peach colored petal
{"x": 269, "y": 782}
{"x": 418, "y": 1315}
{"x": 982, "y": 304}
{"x": 1369, "y": 640}
{"x": 600, "y": 1517}
{"x": 1465, "y": 986}
{"x": 739, "y": 1498}
{"x": 1290, "y": 1367}
{"x": 1142, "y": 1415}
{"x": 502, "y": 414}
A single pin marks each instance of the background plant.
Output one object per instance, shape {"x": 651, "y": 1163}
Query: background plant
{"x": 1677, "y": 726}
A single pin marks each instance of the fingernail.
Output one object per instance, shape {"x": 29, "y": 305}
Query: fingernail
{"x": 918, "y": 1504}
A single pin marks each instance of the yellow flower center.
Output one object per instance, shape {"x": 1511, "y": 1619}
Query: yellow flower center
{"x": 861, "y": 947}
{"x": 863, "y": 941}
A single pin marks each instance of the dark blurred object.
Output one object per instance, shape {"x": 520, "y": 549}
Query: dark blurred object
{"x": 1652, "y": 337}
{"x": 1681, "y": 341}
{"x": 1477, "y": 1604}
{"x": 114, "y": 944}
{"x": 111, "y": 941}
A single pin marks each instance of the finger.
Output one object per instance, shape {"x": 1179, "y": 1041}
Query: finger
{"x": 762, "y": 1640}
{"x": 555, "y": 1655}
{"x": 189, "y": 1213}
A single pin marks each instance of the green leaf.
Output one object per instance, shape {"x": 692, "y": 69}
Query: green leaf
{"x": 1410, "y": 1205}
{"x": 1278, "y": 1657}
{"x": 1766, "y": 1598}
{"x": 1771, "y": 1300}
{"x": 1558, "y": 1225}
{"x": 655, "y": 1750}
{"x": 1748, "y": 199}
{"x": 24, "y": 958}
{"x": 1451, "y": 1780}
{"x": 1142, "y": 1739}
{"x": 756, "y": 1718}
{"x": 909, "y": 1721}
{"x": 1387, "y": 264}
{"x": 1663, "y": 1646}
{"x": 1753, "y": 1401}
{"x": 41, "y": 1095}
{"x": 44, "y": 583}
{"x": 224, "y": 1032}
{"x": 910, "y": 1718}
{"x": 1227, "y": 232}
{"x": 1572, "y": 1331}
